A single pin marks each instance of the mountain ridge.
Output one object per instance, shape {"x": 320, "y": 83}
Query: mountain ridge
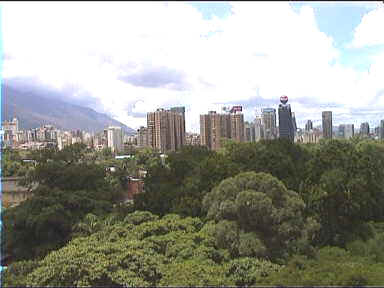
{"x": 33, "y": 110}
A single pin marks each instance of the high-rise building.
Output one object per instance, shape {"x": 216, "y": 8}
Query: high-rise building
{"x": 166, "y": 129}
{"x": 259, "y": 128}
{"x": 180, "y": 110}
{"x": 308, "y": 125}
{"x": 10, "y": 129}
{"x": 247, "y": 132}
{"x": 341, "y": 131}
{"x": 349, "y": 131}
{"x": 115, "y": 139}
{"x": 269, "y": 123}
{"x": 286, "y": 124}
{"x": 346, "y": 131}
{"x": 294, "y": 124}
{"x": 381, "y": 130}
{"x": 376, "y": 132}
{"x": 142, "y": 137}
{"x": 214, "y": 127}
{"x": 237, "y": 127}
{"x": 327, "y": 124}
{"x": 364, "y": 129}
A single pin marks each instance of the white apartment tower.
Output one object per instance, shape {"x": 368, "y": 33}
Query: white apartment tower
{"x": 115, "y": 139}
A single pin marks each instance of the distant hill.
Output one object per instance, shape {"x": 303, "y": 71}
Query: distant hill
{"x": 34, "y": 110}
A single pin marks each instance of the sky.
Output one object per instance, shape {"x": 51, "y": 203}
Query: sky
{"x": 129, "y": 58}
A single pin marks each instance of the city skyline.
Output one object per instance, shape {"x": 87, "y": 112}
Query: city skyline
{"x": 199, "y": 55}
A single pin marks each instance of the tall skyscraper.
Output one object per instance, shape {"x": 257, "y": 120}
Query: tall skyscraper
{"x": 327, "y": 124}
{"x": 115, "y": 139}
{"x": 346, "y": 131}
{"x": 308, "y": 125}
{"x": 269, "y": 123}
{"x": 237, "y": 127}
{"x": 341, "y": 132}
{"x": 181, "y": 111}
{"x": 166, "y": 129}
{"x": 349, "y": 131}
{"x": 247, "y": 132}
{"x": 286, "y": 123}
{"x": 294, "y": 124}
{"x": 364, "y": 129}
{"x": 214, "y": 127}
{"x": 381, "y": 130}
{"x": 259, "y": 128}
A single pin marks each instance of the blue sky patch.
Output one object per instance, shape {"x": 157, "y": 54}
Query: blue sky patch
{"x": 209, "y": 9}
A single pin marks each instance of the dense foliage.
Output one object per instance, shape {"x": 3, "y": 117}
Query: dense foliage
{"x": 12, "y": 164}
{"x": 142, "y": 250}
{"x": 259, "y": 217}
{"x": 69, "y": 188}
{"x": 265, "y": 213}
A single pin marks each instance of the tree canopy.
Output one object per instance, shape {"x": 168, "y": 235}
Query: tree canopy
{"x": 264, "y": 218}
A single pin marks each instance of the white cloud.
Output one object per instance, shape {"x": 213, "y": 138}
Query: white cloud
{"x": 370, "y": 30}
{"x": 265, "y": 46}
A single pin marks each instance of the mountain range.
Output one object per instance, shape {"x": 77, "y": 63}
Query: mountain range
{"x": 33, "y": 110}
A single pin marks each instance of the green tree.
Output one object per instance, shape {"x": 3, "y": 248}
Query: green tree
{"x": 141, "y": 250}
{"x": 280, "y": 157}
{"x": 344, "y": 189}
{"x": 260, "y": 204}
{"x": 250, "y": 271}
{"x": 44, "y": 222}
{"x": 331, "y": 266}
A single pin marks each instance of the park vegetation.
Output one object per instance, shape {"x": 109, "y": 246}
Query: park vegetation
{"x": 265, "y": 213}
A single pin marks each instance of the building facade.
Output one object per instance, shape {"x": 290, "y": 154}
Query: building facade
{"x": 327, "y": 124}
{"x": 142, "y": 137}
{"x": 10, "y": 130}
{"x": 311, "y": 136}
{"x": 115, "y": 139}
{"x": 237, "y": 127}
{"x": 364, "y": 129}
{"x": 341, "y": 131}
{"x": 214, "y": 127}
{"x": 259, "y": 128}
{"x": 349, "y": 131}
{"x": 346, "y": 131}
{"x": 166, "y": 129}
{"x": 192, "y": 139}
{"x": 286, "y": 123}
{"x": 294, "y": 124}
{"x": 381, "y": 130}
{"x": 269, "y": 123}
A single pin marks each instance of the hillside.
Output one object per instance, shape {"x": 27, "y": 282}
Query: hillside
{"x": 34, "y": 110}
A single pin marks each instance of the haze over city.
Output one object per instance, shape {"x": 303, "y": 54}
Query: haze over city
{"x": 128, "y": 59}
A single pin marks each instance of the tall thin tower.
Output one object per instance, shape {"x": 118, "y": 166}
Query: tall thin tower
{"x": 327, "y": 124}
{"x": 286, "y": 123}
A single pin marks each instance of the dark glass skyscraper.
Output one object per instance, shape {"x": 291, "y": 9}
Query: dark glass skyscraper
{"x": 286, "y": 126}
{"x": 327, "y": 124}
